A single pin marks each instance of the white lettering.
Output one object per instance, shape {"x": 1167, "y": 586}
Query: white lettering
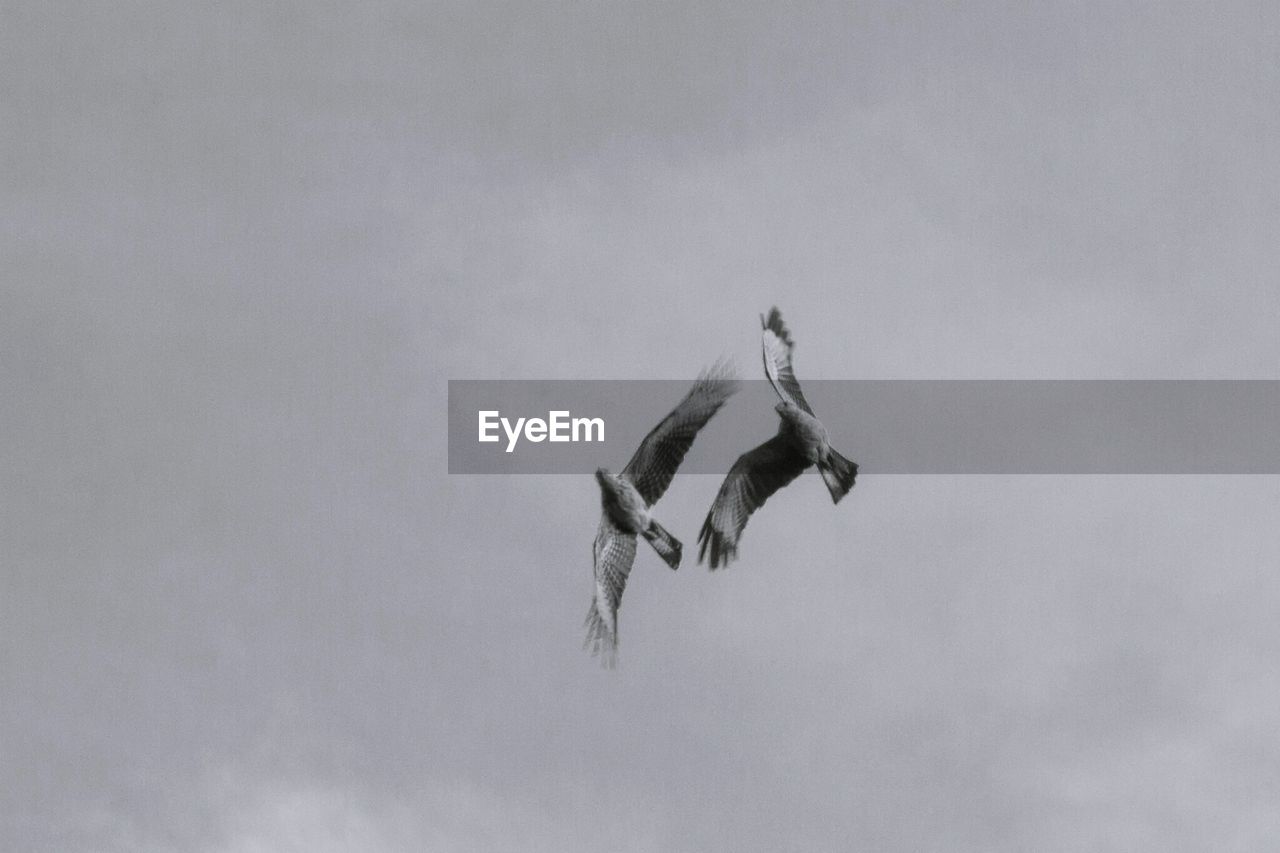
{"x": 513, "y": 435}
{"x": 487, "y": 424}
{"x": 586, "y": 424}
{"x": 559, "y": 426}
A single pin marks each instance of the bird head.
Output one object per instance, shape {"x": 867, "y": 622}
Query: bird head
{"x": 787, "y": 409}
{"x": 608, "y": 484}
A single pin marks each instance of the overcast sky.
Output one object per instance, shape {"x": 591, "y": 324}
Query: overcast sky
{"x": 244, "y": 608}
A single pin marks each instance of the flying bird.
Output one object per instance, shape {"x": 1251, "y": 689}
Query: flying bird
{"x": 626, "y": 498}
{"x": 801, "y": 441}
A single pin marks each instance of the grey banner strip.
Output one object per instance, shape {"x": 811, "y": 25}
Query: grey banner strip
{"x": 891, "y": 426}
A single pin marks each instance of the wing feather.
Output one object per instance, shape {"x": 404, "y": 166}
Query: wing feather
{"x": 663, "y": 449}
{"x": 613, "y": 553}
{"x": 756, "y": 475}
{"x": 777, "y": 346}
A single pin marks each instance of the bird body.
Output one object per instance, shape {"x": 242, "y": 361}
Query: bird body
{"x": 624, "y": 506}
{"x": 805, "y": 433}
{"x": 622, "y": 503}
{"x": 801, "y": 441}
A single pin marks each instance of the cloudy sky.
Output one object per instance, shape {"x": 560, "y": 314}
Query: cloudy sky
{"x": 244, "y": 608}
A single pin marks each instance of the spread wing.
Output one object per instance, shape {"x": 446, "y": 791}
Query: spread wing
{"x": 663, "y": 449}
{"x": 753, "y": 478}
{"x": 613, "y": 553}
{"x": 777, "y": 345}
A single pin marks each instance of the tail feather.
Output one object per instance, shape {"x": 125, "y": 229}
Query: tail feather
{"x": 667, "y": 546}
{"x": 838, "y": 473}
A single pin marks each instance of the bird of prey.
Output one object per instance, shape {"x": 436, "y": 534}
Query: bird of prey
{"x": 626, "y": 498}
{"x": 801, "y": 441}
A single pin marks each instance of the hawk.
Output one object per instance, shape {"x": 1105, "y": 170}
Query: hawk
{"x": 626, "y": 498}
{"x": 801, "y": 441}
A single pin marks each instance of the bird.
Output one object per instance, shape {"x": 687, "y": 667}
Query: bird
{"x": 801, "y": 441}
{"x": 627, "y": 497}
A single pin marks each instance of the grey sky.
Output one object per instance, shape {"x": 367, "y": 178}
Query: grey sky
{"x": 245, "y": 609}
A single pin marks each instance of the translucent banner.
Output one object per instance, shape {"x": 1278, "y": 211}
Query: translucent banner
{"x": 886, "y": 426}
